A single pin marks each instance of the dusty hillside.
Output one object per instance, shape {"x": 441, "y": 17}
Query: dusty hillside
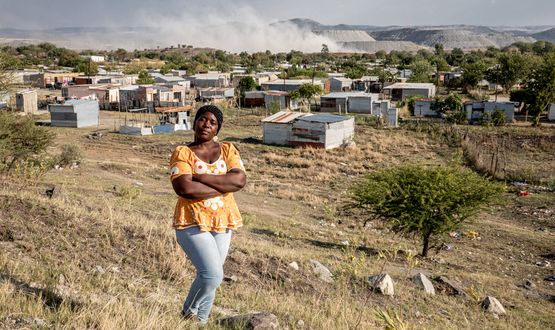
{"x": 387, "y": 46}
{"x": 463, "y": 37}
{"x": 345, "y": 35}
{"x": 101, "y": 253}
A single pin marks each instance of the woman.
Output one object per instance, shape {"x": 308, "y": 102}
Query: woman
{"x": 204, "y": 175}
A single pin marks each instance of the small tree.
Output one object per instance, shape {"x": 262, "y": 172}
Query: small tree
{"x": 421, "y": 70}
{"x": 473, "y": 73}
{"x": 541, "y": 88}
{"x": 22, "y": 143}
{"x": 246, "y": 84}
{"x": 145, "y": 78}
{"x": 89, "y": 68}
{"x": 451, "y": 103}
{"x": 309, "y": 91}
{"x": 425, "y": 201}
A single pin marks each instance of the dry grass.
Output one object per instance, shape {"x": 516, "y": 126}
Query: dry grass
{"x": 518, "y": 155}
{"x": 94, "y": 258}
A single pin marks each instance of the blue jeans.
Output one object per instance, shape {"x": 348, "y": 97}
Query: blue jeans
{"x": 207, "y": 251}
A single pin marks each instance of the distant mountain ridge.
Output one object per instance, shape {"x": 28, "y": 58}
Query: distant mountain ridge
{"x": 548, "y": 35}
{"x": 451, "y": 36}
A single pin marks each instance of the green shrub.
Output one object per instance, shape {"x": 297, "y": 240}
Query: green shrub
{"x": 498, "y": 118}
{"x": 22, "y": 144}
{"x": 424, "y": 201}
{"x": 456, "y": 117}
{"x": 274, "y": 107}
{"x": 367, "y": 120}
{"x": 71, "y": 154}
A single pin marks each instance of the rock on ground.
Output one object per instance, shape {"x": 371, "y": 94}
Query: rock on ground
{"x": 529, "y": 285}
{"x": 382, "y": 283}
{"x": 251, "y": 321}
{"x": 492, "y": 305}
{"x": 424, "y": 283}
{"x": 450, "y": 287}
{"x": 321, "y": 271}
{"x": 293, "y": 265}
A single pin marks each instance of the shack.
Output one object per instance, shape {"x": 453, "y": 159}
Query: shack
{"x": 475, "y": 110}
{"x": 423, "y": 108}
{"x": 340, "y": 84}
{"x": 356, "y": 102}
{"x": 74, "y": 113}
{"x": 368, "y": 84}
{"x": 276, "y": 129}
{"x": 203, "y": 80}
{"x": 253, "y": 99}
{"x": 380, "y": 107}
{"x": 401, "y": 91}
{"x": 323, "y": 131}
{"x": 216, "y": 93}
{"x": 280, "y": 100}
{"x": 288, "y": 85}
{"x": 26, "y": 101}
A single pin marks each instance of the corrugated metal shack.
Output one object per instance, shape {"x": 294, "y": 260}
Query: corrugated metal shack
{"x": 401, "y": 91}
{"x": 340, "y": 84}
{"x": 323, "y": 131}
{"x": 288, "y": 85}
{"x": 74, "y": 113}
{"x": 423, "y": 108}
{"x": 280, "y": 100}
{"x": 476, "y": 110}
{"x": 276, "y": 129}
{"x": 302, "y": 129}
{"x": 380, "y": 107}
{"x": 253, "y": 99}
{"x": 356, "y": 102}
{"x": 216, "y": 93}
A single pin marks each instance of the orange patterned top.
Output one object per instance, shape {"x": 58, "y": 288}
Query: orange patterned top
{"x": 214, "y": 214}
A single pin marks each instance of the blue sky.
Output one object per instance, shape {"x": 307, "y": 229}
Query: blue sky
{"x": 60, "y": 13}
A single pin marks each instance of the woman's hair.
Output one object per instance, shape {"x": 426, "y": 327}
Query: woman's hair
{"x": 212, "y": 109}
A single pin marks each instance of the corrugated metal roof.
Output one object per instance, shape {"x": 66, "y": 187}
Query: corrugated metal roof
{"x": 325, "y": 118}
{"x": 285, "y": 117}
{"x": 254, "y": 94}
{"x": 215, "y": 89}
{"x": 276, "y": 93}
{"x": 291, "y": 82}
{"x": 342, "y": 79}
{"x": 130, "y": 88}
{"x": 342, "y": 95}
{"x": 410, "y": 85}
{"x": 76, "y": 102}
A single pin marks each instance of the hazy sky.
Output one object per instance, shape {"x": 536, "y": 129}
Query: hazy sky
{"x": 64, "y": 13}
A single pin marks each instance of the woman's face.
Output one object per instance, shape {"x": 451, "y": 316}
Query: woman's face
{"x": 206, "y": 127}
